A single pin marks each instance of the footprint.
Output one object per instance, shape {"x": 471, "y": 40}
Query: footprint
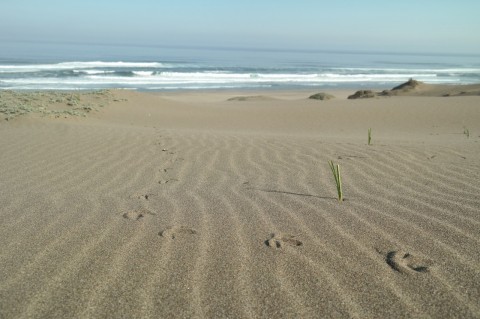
{"x": 137, "y": 214}
{"x": 405, "y": 262}
{"x": 169, "y": 152}
{"x": 173, "y": 232}
{"x": 143, "y": 196}
{"x": 280, "y": 240}
{"x": 167, "y": 181}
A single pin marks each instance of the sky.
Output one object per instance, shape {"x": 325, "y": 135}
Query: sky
{"x": 430, "y": 26}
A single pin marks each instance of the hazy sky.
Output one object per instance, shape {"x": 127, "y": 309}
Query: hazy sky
{"x": 407, "y": 25}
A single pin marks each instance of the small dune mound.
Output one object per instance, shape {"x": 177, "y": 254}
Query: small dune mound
{"x": 321, "y": 96}
{"x": 407, "y": 86}
{"x": 362, "y": 94}
{"x": 250, "y": 98}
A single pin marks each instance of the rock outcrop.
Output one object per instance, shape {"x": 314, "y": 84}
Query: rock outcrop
{"x": 407, "y": 86}
{"x": 362, "y": 94}
{"x": 321, "y": 96}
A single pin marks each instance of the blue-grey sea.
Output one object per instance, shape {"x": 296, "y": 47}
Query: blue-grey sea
{"x": 36, "y": 66}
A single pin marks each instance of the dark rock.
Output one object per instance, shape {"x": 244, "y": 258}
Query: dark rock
{"x": 385, "y": 93}
{"x": 409, "y": 85}
{"x": 362, "y": 94}
{"x": 321, "y": 96}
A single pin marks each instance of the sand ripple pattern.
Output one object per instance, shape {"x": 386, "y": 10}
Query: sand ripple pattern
{"x": 149, "y": 223}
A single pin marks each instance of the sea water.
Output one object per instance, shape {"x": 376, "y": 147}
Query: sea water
{"x": 34, "y": 66}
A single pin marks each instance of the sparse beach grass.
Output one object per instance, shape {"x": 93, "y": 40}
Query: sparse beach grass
{"x": 338, "y": 179}
{"x": 53, "y": 103}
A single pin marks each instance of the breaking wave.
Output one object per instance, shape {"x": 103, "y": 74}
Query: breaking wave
{"x": 157, "y": 76}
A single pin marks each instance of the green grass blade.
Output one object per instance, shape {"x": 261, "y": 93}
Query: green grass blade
{"x": 332, "y": 167}
{"x": 339, "y": 186}
{"x": 338, "y": 180}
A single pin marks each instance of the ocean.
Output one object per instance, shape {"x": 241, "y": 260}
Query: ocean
{"x": 34, "y": 66}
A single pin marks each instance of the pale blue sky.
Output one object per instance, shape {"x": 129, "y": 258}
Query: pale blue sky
{"x": 407, "y": 25}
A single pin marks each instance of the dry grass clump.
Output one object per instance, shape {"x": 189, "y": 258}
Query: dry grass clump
{"x": 53, "y": 103}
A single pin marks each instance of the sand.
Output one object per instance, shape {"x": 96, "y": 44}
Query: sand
{"x": 223, "y": 205}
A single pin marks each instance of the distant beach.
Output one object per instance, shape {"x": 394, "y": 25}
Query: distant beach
{"x": 222, "y": 204}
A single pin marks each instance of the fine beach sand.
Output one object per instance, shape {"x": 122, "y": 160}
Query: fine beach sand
{"x": 223, "y": 205}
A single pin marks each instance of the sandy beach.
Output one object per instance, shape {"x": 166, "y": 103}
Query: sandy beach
{"x": 222, "y": 204}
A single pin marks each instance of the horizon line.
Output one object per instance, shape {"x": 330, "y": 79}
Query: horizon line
{"x": 251, "y": 48}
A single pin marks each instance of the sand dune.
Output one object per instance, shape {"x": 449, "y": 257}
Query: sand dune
{"x": 417, "y": 88}
{"x": 254, "y": 98}
{"x": 191, "y": 206}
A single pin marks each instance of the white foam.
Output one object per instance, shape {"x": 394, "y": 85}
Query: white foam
{"x": 77, "y": 65}
{"x": 101, "y": 64}
{"x": 209, "y": 78}
{"x": 405, "y": 70}
{"x": 143, "y": 73}
{"x": 92, "y": 72}
{"x": 91, "y": 78}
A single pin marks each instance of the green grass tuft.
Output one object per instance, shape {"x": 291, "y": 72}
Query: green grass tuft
{"x": 338, "y": 179}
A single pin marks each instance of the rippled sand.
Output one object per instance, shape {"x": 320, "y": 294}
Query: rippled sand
{"x": 222, "y": 204}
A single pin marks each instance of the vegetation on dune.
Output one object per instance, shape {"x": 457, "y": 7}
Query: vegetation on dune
{"x": 52, "y": 103}
{"x": 338, "y": 179}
